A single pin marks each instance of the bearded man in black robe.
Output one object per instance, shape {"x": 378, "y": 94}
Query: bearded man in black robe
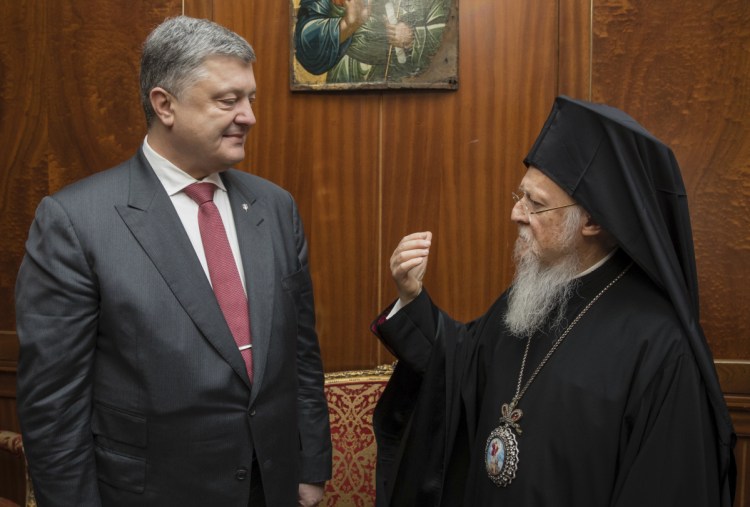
{"x": 589, "y": 382}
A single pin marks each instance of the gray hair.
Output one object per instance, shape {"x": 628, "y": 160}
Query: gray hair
{"x": 573, "y": 220}
{"x": 174, "y": 52}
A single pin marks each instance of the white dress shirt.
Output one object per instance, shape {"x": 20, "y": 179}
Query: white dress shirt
{"x": 174, "y": 180}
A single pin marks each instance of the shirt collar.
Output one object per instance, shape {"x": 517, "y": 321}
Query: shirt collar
{"x": 172, "y": 177}
{"x": 597, "y": 265}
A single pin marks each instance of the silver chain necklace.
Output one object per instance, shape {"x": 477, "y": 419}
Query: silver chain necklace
{"x": 501, "y": 450}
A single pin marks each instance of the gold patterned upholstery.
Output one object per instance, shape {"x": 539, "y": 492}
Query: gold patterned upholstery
{"x": 11, "y": 442}
{"x": 352, "y": 396}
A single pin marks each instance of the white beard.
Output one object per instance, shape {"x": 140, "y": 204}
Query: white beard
{"x": 539, "y": 295}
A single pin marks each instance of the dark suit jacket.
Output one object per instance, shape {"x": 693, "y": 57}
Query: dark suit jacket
{"x": 131, "y": 390}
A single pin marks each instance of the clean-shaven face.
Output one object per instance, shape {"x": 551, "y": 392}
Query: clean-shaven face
{"x": 213, "y": 116}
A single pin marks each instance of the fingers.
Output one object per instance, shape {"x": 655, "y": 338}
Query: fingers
{"x": 415, "y": 240}
{"x": 411, "y": 251}
{"x": 310, "y": 495}
{"x": 409, "y": 263}
{"x": 417, "y": 236}
{"x": 400, "y": 35}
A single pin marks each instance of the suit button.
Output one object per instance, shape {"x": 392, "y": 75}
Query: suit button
{"x": 251, "y": 413}
{"x": 241, "y": 474}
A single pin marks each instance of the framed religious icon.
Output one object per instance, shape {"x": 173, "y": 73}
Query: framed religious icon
{"x": 373, "y": 44}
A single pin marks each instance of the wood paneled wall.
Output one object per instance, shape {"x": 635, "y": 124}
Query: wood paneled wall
{"x": 684, "y": 71}
{"x": 368, "y": 167}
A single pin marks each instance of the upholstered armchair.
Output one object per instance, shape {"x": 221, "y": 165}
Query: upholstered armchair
{"x": 352, "y": 396}
{"x": 10, "y": 442}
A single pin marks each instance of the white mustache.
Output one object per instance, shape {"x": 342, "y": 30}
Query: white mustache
{"x": 524, "y": 233}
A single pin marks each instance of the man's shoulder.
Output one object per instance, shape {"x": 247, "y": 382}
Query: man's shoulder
{"x": 113, "y": 180}
{"x": 643, "y": 315}
{"x": 642, "y": 295}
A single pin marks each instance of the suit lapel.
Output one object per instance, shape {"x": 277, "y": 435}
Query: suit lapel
{"x": 256, "y": 250}
{"x": 153, "y": 221}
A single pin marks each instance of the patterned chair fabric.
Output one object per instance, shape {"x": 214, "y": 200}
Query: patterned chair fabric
{"x": 352, "y": 396}
{"x": 11, "y": 442}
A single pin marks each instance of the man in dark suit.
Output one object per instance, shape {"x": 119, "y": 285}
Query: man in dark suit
{"x": 137, "y": 384}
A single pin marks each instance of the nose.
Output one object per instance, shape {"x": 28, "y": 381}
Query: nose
{"x": 245, "y": 114}
{"x": 518, "y": 213}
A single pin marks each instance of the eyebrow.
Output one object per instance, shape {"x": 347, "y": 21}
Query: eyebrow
{"x": 236, "y": 91}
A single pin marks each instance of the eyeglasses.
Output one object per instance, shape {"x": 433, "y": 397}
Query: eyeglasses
{"x": 523, "y": 199}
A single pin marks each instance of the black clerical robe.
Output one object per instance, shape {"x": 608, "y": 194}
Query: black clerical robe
{"x": 617, "y": 417}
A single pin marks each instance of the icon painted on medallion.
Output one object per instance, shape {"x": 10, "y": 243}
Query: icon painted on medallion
{"x": 495, "y": 456}
{"x": 501, "y": 456}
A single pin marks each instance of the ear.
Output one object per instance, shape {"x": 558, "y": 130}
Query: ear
{"x": 161, "y": 101}
{"x": 590, "y": 227}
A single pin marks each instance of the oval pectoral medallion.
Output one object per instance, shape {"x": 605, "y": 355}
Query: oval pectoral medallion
{"x": 501, "y": 455}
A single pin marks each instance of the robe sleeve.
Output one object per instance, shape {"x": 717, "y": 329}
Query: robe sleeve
{"x": 409, "y": 335}
{"x": 316, "y": 36}
{"x": 417, "y": 417}
{"x": 658, "y": 468}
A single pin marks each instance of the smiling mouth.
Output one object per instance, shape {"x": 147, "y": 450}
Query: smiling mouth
{"x": 236, "y": 139}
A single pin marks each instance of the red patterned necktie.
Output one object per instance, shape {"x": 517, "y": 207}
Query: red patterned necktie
{"x": 222, "y": 269}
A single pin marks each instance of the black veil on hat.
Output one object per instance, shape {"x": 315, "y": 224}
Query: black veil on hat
{"x": 630, "y": 183}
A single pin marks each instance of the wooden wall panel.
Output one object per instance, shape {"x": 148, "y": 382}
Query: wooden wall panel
{"x": 198, "y": 8}
{"x": 682, "y": 68}
{"x": 95, "y": 116}
{"x": 575, "y": 48}
{"x": 323, "y": 148}
{"x": 452, "y": 159}
{"x": 23, "y": 161}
